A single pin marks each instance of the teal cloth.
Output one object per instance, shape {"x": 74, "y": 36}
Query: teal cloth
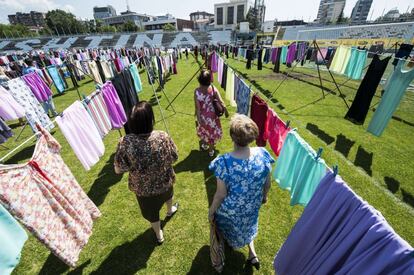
{"x": 135, "y": 75}
{"x": 57, "y": 79}
{"x": 12, "y": 239}
{"x": 356, "y": 63}
{"x": 394, "y": 92}
{"x": 298, "y": 170}
{"x": 283, "y": 54}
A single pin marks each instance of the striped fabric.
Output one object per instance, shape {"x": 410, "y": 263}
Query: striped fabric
{"x": 97, "y": 109}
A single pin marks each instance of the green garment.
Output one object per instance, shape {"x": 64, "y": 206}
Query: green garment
{"x": 356, "y": 63}
{"x": 283, "y": 54}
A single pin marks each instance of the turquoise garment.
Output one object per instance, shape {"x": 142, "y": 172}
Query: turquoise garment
{"x": 12, "y": 239}
{"x": 135, "y": 75}
{"x": 57, "y": 79}
{"x": 394, "y": 92}
{"x": 283, "y": 54}
{"x": 356, "y": 63}
{"x": 298, "y": 170}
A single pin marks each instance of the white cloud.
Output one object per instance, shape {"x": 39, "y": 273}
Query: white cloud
{"x": 12, "y": 6}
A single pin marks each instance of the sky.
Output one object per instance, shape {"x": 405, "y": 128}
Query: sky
{"x": 275, "y": 9}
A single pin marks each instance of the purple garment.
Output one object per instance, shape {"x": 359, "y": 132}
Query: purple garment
{"x": 38, "y": 87}
{"x": 291, "y": 54}
{"x": 113, "y": 103}
{"x": 338, "y": 233}
{"x": 321, "y": 57}
{"x": 214, "y": 63}
{"x": 301, "y": 52}
{"x": 274, "y": 55}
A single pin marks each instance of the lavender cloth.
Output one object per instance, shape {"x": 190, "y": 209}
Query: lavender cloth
{"x": 38, "y": 87}
{"x": 113, "y": 103}
{"x": 291, "y": 54}
{"x": 338, "y": 233}
{"x": 214, "y": 63}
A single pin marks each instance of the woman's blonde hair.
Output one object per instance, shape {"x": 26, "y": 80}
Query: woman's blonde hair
{"x": 243, "y": 130}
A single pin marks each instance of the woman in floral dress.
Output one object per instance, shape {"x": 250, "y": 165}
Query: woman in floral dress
{"x": 243, "y": 181}
{"x": 208, "y": 123}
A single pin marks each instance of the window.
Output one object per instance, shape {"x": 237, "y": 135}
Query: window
{"x": 219, "y": 16}
{"x": 230, "y": 15}
{"x": 240, "y": 13}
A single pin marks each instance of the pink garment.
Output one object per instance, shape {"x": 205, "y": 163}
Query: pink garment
{"x": 46, "y": 198}
{"x": 209, "y": 126}
{"x": 9, "y": 108}
{"x": 275, "y": 132}
{"x": 81, "y": 133}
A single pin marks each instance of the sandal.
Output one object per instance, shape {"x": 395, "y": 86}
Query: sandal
{"x": 204, "y": 147}
{"x": 254, "y": 262}
{"x": 211, "y": 153}
{"x": 160, "y": 241}
{"x": 170, "y": 215}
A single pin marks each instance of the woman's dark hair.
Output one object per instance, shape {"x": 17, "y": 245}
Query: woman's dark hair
{"x": 29, "y": 62}
{"x": 141, "y": 120}
{"x": 204, "y": 78}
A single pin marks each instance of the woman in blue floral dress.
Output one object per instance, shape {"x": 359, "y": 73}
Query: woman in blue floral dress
{"x": 243, "y": 181}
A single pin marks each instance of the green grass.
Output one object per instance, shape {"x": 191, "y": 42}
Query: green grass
{"x": 122, "y": 242}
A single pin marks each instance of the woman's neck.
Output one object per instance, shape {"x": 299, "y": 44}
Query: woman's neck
{"x": 241, "y": 151}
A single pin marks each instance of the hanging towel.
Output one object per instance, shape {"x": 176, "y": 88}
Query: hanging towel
{"x": 113, "y": 103}
{"x": 276, "y": 131}
{"x": 230, "y": 87}
{"x": 366, "y": 91}
{"x": 242, "y": 97}
{"x": 82, "y": 134}
{"x": 12, "y": 240}
{"x": 56, "y": 78}
{"x": 298, "y": 169}
{"x": 34, "y": 111}
{"x": 339, "y": 233}
{"x": 135, "y": 76}
{"x": 45, "y": 197}
{"x": 394, "y": 92}
{"x": 258, "y": 114}
{"x": 9, "y": 108}
{"x": 96, "y": 107}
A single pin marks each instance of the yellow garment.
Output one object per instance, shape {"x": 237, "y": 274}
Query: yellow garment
{"x": 230, "y": 87}
{"x": 94, "y": 70}
{"x": 341, "y": 59}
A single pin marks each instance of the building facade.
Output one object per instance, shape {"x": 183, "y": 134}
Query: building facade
{"x": 361, "y": 11}
{"x": 268, "y": 26}
{"x": 32, "y": 19}
{"x": 103, "y": 12}
{"x": 201, "y": 20}
{"x": 228, "y": 15}
{"x": 330, "y": 10}
{"x": 157, "y": 23}
{"x": 136, "y": 18}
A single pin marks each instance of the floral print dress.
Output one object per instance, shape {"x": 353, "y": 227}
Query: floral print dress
{"x": 209, "y": 126}
{"x": 238, "y": 215}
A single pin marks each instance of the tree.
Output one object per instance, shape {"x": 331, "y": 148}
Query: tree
{"x": 168, "y": 27}
{"x": 61, "y": 22}
{"x": 107, "y": 29}
{"x": 128, "y": 26}
{"x": 251, "y": 17}
{"x": 14, "y": 31}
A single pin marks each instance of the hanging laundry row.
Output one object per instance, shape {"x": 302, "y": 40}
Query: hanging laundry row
{"x": 301, "y": 170}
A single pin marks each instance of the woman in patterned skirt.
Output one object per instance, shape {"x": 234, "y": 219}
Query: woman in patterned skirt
{"x": 208, "y": 123}
{"x": 148, "y": 156}
{"x": 243, "y": 181}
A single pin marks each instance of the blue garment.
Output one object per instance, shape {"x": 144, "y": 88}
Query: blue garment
{"x": 12, "y": 239}
{"x": 339, "y": 233}
{"x": 135, "y": 76}
{"x": 242, "y": 97}
{"x": 57, "y": 79}
{"x": 298, "y": 170}
{"x": 394, "y": 92}
{"x": 237, "y": 217}
{"x": 28, "y": 70}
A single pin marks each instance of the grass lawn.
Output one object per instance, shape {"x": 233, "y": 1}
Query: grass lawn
{"x": 379, "y": 169}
